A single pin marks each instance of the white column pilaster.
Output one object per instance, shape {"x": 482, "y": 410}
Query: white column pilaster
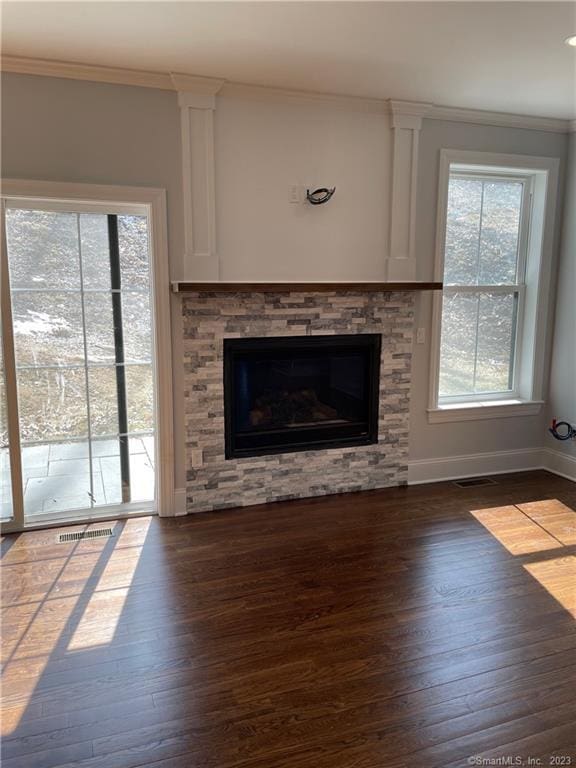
{"x": 197, "y": 100}
{"x": 406, "y": 124}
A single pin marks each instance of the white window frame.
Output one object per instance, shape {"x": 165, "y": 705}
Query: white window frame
{"x": 536, "y": 249}
{"x": 116, "y": 199}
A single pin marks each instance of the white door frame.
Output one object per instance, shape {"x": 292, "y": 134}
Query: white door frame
{"x": 153, "y": 201}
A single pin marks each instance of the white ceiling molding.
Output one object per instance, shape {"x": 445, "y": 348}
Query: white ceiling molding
{"x": 282, "y": 96}
{"x": 499, "y": 119}
{"x": 204, "y": 86}
{"x": 76, "y": 71}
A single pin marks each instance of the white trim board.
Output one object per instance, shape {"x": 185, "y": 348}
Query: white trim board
{"x": 179, "y": 502}
{"x": 560, "y": 463}
{"x": 484, "y": 410}
{"x": 495, "y": 463}
{"x": 173, "y": 81}
{"x": 473, "y": 465}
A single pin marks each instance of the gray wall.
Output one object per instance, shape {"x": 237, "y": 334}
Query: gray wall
{"x": 454, "y": 439}
{"x": 66, "y": 130}
{"x": 562, "y": 403}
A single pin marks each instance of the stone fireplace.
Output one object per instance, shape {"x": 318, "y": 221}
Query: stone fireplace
{"x": 295, "y": 394}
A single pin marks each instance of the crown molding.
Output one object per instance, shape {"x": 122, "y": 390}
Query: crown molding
{"x": 209, "y": 87}
{"x": 76, "y": 71}
{"x": 499, "y": 119}
{"x": 284, "y": 95}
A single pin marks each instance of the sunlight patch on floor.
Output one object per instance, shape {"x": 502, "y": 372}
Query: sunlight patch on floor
{"x": 516, "y": 531}
{"x": 63, "y": 603}
{"x": 539, "y": 527}
{"x": 558, "y": 577}
{"x": 104, "y": 608}
{"x": 27, "y": 651}
{"x": 99, "y": 620}
{"x": 558, "y": 519}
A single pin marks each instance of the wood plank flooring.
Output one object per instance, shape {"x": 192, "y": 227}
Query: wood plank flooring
{"x": 404, "y": 628}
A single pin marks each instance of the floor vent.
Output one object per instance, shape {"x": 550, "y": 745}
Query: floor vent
{"x": 96, "y": 534}
{"x": 472, "y": 482}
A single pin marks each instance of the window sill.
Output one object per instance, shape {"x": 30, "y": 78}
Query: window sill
{"x": 486, "y": 409}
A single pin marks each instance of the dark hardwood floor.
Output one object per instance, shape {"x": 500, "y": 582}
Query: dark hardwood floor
{"x": 408, "y": 627}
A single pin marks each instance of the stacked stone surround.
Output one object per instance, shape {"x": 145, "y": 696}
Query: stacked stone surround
{"x": 208, "y": 318}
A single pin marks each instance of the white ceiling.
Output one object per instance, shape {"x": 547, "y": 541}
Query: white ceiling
{"x": 506, "y": 56}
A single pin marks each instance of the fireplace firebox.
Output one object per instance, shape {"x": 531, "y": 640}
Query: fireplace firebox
{"x": 297, "y": 393}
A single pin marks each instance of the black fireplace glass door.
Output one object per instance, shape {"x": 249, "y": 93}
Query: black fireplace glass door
{"x": 293, "y": 393}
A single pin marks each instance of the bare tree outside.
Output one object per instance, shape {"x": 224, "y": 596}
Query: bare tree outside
{"x": 481, "y": 249}
{"x": 64, "y": 334}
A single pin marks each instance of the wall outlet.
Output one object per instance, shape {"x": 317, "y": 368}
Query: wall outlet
{"x": 421, "y": 336}
{"x": 295, "y": 194}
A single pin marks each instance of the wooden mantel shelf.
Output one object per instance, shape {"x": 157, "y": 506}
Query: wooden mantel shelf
{"x": 200, "y": 287}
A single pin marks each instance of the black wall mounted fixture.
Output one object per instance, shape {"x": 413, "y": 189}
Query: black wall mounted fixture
{"x": 319, "y": 196}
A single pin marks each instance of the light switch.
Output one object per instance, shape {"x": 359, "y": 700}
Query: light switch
{"x": 294, "y": 194}
{"x": 421, "y": 336}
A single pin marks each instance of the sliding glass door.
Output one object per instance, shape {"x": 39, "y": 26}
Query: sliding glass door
{"x": 81, "y": 323}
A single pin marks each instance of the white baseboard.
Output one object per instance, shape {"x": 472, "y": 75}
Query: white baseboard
{"x": 473, "y": 465}
{"x": 496, "y": 463}
{"x": 179, "y": 501}
{"x": 559, "y": 463}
